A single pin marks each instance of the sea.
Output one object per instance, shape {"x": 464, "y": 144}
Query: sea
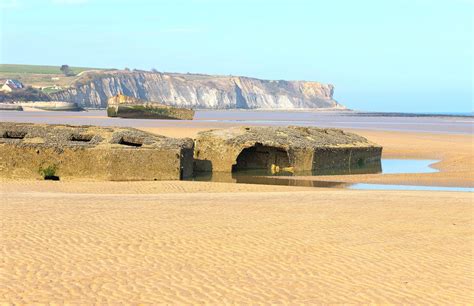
{"x": 445, "y": 123}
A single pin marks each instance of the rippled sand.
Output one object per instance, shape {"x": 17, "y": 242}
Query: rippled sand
{"x": 275, "y": 247}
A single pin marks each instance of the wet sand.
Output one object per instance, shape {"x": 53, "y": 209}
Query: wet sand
{"x": 197, "y": 242}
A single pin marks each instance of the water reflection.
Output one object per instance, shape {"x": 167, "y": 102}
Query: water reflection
{"x": 389, "y": 166}
{"x": 284, "y": 178}
{"x": 263, "y": 178}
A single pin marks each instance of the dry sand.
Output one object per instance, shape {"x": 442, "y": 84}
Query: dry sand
{"x": 217, "y": 243}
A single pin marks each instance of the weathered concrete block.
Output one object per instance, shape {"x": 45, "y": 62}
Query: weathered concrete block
{"x": 293, "y": 149}
{"x": 31, "y": 150}
{"x": 128, "y": 107}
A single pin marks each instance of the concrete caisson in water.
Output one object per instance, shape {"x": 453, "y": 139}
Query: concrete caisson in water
{"x": 285, "y": 149}
{"x": 128, "y": 107}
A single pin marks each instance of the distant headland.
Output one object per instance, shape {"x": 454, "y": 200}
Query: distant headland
{"x": 91, "y": 87}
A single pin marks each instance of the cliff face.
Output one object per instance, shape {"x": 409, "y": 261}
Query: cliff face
{"x": 199, "y": 91}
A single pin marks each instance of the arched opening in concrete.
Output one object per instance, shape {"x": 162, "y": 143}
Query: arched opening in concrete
{"x": 260, "y": 157}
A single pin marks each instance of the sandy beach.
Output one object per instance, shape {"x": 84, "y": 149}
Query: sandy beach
{"x": 219, "y": 243}
{"x": 248, "y": 247}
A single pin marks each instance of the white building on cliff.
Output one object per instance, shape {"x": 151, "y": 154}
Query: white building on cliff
{"x": 11, "y": 85}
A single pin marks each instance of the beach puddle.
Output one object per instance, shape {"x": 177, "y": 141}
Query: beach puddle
{"x": 389, "y": 166}
{"x": 393, "y": 166}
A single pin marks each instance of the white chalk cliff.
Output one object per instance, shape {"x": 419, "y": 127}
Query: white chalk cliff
{"x": 198, "y": 91}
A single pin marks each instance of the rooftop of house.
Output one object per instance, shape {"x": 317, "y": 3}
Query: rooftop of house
{"x": 14, "y": 84}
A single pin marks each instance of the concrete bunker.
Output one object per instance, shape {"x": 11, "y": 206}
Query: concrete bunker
{"x": 285, "y": 149}
{"x": 49, "y": 151}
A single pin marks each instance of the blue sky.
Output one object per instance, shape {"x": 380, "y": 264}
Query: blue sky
{"x": 398, "y": 55}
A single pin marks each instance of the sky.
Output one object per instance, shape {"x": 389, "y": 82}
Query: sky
{"x": 381, "y": 55}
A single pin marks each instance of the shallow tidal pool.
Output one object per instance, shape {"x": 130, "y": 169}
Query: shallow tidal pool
{"x": 389, "y": 166}
{"x": 392, "y": 166}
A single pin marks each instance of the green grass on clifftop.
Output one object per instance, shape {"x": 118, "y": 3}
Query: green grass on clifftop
{"x": 42, "y": 76}
{"x": 39, "y": 69}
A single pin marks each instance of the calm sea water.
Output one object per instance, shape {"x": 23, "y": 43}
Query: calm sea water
{"x": 216, "y": 118}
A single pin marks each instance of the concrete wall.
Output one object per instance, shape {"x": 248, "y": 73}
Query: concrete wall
{"x": 347, "y": 160}
{"x": 113, "y": 164}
